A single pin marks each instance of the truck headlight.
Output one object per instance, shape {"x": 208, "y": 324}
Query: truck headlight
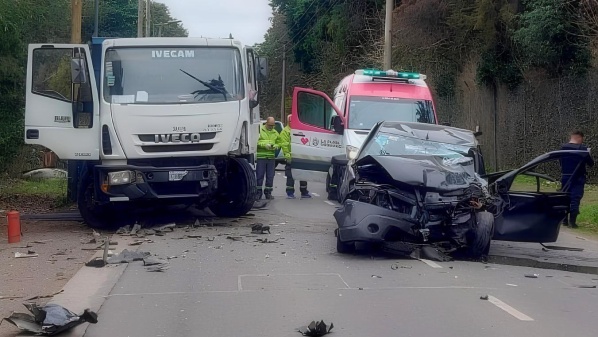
{"x": 121, "y": 177}
{"x": 352, "y": 152}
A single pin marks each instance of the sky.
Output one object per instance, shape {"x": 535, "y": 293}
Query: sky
{"x": 247, "y": 20}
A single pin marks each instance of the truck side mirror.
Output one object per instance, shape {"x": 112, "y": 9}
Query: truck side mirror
{"x": 262, "y": 68}
{"x": 78, "y": 67}
{"x": 337, "y": 124}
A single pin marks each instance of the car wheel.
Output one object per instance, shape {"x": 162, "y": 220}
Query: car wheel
{"x": 344, "y": 247}
{"x": 481, "y": 231}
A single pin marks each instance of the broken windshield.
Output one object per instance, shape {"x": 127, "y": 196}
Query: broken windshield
{"x": 172, "y": 75}
{"x": 387, "y": 144}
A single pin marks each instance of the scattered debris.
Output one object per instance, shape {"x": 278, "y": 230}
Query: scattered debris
{"x": 44, "y": 296}
{"x": 484, "y": 297}
{"x": 265, "y": 229}
{"x": 169, "y": 227}
{"x": 265, "y": 240}
{"x": 10, "y": 297}
{"x": 396, "y": 266}
{"x": 586, "y": 286}
{"x": 211, "y": 238}
{"x": 50, "y": 319}
{"x": 151, "y": 260}
{"x": 43, "y": 242}
{"x": 96, "y": 263}
{"x": 531, "y": 275}
{"x": 127, "y": 256}
{"x": 511, "y": 285}
{"x": 571, "y": 249}
{"x": 157, "y": 268}
{"x": 316, "y": 329}
{"x": 235, "y": 238}
{"x": 194, "y": 236}
{"x": 24, "y": 255}
{"x": 124, "y": 230}
{"x": 136, "y": 243}
{"x": 376, "y": 276}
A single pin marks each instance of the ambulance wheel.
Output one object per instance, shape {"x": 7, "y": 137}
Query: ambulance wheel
{"x": 239, "y": 190}
{"x": 94, "y": 215}
{"x": 332, "y": 192}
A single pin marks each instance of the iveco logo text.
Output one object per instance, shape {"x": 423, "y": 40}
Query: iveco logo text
{"x": 173, "y": 53}
{"x": 178, "y": 138}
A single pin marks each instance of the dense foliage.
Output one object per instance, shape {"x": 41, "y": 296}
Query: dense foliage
{"x": 40, "y": 21}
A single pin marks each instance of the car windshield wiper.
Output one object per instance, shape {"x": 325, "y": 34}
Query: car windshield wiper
{"x": 214, "y": 88}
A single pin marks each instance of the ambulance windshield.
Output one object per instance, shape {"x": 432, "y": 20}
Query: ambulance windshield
{"x": 366, "y": 111}
{"x": 166, "y": 75}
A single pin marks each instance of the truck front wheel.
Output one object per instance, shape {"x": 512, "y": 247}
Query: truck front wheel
{"x": 94, "y": 215}
{"x": 238, "y": 191}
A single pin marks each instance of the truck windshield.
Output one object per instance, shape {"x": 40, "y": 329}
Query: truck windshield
{"x": 365, "y": 111}
{"x": 163, "y": 75}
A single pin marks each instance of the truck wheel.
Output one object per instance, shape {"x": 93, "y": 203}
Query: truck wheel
{"x": 481, "y": 234}
{"x": 344, "y": 247}
{"x": 94, "y": 215}
{"x": 241, "y": 190}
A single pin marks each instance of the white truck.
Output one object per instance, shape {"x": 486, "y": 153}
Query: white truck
{"x": 168, "y": 120}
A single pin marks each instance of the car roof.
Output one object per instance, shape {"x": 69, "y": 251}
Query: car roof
{"x": 431, "y": 132}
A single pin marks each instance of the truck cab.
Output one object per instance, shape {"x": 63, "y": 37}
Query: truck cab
{"x": 168, "y": 120}
{"x": 326, "y": 132}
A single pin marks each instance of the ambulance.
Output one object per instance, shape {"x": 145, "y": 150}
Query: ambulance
{"x": 329, "y": 132}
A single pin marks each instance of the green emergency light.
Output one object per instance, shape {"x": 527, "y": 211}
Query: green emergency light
{"x": 391, "y": 73}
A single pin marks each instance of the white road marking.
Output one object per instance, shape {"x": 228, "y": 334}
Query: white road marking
{"x": 329, "y": 202}
{"x": 509, "y": 309}
{"x": 315, "y": 194}
{"x": 430, "y": 263}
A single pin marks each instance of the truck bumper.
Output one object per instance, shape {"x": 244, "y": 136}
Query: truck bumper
{"x": 153, "y": 183}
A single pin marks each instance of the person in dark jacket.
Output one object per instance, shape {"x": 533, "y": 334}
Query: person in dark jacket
{"x": 574, "y": 173}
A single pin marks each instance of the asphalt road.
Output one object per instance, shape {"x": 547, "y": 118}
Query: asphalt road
{"x": 246, "y": 288}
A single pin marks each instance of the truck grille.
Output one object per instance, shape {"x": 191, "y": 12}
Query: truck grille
{"x": 176, "y": 148}
{"x": 202, "y": 136}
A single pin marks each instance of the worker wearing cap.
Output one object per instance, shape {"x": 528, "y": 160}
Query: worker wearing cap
{"x": 284, "y": 141}
{"x": 266, "y": 154}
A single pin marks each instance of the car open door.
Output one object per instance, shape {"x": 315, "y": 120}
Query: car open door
{"x": 316, "y": 134}
{"x": 530, "y": 214}
{"x": 62, "y": 107}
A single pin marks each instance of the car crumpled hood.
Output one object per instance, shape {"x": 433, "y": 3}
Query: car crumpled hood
{"x": 426, "y": 171}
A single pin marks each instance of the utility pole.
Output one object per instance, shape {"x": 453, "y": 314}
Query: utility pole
{"x": 96, "y": 18}
{"x": 284, "y": 71}
{"x": 76, "y": 9}
{"x": 140, "y": 18}
{"x": 388, "y": 34}
{"x": 148, "y": 18}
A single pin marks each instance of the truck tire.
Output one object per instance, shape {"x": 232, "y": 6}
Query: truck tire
{"x": 241, "y": 190}
{"x": 481, "y": 234}
{"x": 94, "y": 215}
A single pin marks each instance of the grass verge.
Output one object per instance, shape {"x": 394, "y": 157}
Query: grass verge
{"x": 33, "y": 195}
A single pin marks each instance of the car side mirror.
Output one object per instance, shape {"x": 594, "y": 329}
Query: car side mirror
{"x": 78, "y": 67}
{"x": 337, "y": 124}
{"x": 262, "y": 68}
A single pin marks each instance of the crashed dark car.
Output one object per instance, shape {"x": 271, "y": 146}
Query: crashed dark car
{"x": 414, "y": 184}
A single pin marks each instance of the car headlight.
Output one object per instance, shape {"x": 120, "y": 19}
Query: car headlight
{"x": 121, "y": 177}
{"x": 352, "y": 152}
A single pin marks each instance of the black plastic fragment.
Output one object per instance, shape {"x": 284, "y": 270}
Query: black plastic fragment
{"x": 316, "y": 329}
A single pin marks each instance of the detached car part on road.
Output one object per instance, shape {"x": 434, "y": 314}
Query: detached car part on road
{"x": 416, "y": 184}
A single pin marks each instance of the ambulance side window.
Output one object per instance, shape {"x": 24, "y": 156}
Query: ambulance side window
{"x": 315, "y": 110}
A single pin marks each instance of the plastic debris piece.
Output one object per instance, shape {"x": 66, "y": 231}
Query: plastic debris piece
{"x": 376, "y": 276}
{"x": 157, "y": 268}
{"x": 511, "y": 285}
{"x": 265, "y": 229}
{"x": 235, "y": 238}
{"x": 136, "y": 243}
{"x": 24, "y": 255}
{"x": 532, "y": 275}
{"x": 586, "y": 286}
{"x": 169, "y": 227}
{"x": 484, "y": 297}
{"x": 194, "y": 236}
{"x": 124, "y": 230}
{"x": 257, "y": 227}
{"x": 316, "y": 329}
{"x": 151, "y": 260}
{"x": 396, "y": 266}
{"x": 127, "y": 256}
{"x": 50, "y": 319}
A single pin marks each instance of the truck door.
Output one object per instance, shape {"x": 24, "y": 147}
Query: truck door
{"x": 316, "y": 134}
{"x": 62, "y": 107}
